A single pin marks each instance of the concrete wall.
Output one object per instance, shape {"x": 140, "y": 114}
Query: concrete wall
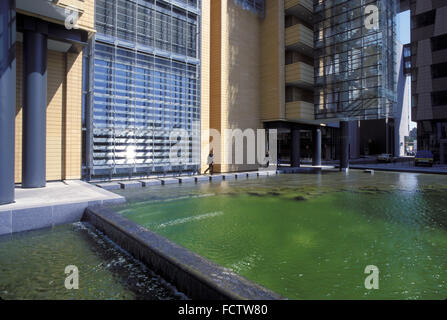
{"x": 64, "y": 108}
{"x": 402, "y": 112}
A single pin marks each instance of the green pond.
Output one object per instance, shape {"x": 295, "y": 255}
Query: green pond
{"x": 32, "y": 266}
{"x": 311, "y": 236}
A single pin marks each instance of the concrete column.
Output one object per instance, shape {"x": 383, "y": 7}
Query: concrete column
{"x": 295, "y": 155}
{"x": 387, "y": 137}
{"x": 443, "y": 151}
{"x": 344, "y": 135}
{"x": 316, "y": 159}
{"x": 34, "y": 109}
{"x": 7, "y": 98}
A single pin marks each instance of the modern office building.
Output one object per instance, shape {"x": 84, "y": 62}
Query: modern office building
{"x": 144, "y": 66}
{"x": 355, "y": 68}
{"x": 429, "y": 74}
{"x": 109, "y": 96}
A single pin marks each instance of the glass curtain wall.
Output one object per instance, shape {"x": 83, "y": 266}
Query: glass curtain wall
{"x": 256, "y": 6}
{"x": 355, "y": 62}
{"x": 144, "y": 95}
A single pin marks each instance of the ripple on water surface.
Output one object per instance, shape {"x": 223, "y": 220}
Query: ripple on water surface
{"x": 32, "y": 266}
{"x": 312, "y": 236}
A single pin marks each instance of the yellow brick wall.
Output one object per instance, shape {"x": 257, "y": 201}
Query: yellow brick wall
{"x": 235, "y": 72}
{"x": 19, "y": 105}
{"x": 243, "y": 78}
{"x": 64, "y": 78}
{"x": 272, "y": 62}
{"x": 56, "y": 101}
{"x": 215, "y": 68}
{"x": 205, "y": 82}
{"x": 73, "y": 117}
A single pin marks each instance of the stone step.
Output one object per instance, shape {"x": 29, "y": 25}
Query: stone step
{"x": 186, "y": 179}
{"x": 166, "y": 181}
{"x": 130, "y": 184}
{"x": 202, "y": 178}
{"x": 109, "y": 185}
{"x": 150, "y": 182}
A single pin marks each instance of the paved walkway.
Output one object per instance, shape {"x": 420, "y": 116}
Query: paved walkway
{"x": 138, "y": 183}
{"x": 57, "y": 203}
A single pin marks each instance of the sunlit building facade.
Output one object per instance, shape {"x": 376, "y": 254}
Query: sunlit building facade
{"x": 144, "y": 63}
{"x": 135, "y": 78}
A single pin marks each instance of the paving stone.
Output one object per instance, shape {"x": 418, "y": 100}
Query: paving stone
{"x": 117, "y": 201}
{"x": 109, "y": 185}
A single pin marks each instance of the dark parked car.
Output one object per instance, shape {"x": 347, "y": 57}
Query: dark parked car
{"x": 424, "y": 157}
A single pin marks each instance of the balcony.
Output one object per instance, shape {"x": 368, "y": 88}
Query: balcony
{"x": 300, "y": 38}
{"x": 307, "y": 4}
{"x": 299, "y": 110}
{"x": 302, "y": 9}
{"x": 300, "y": 74}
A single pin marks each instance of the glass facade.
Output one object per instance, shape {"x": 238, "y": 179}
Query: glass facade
{"x": 256, "y": 6}
{"x": 355, "y": 59}
{"x": 145, "y": 88}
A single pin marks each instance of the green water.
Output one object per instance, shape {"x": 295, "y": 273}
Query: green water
{"x": 32, "y": 266}
{"x": 311, "y": 236}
